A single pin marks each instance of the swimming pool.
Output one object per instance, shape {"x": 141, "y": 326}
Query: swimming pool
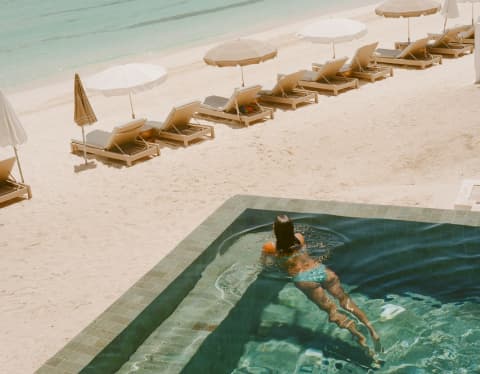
{"x": 415, "y": 272}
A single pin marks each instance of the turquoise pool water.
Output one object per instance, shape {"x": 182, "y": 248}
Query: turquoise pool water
{"x": 418, "y": 283}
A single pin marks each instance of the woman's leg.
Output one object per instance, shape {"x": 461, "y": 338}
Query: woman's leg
{"x": 316, "y": 294}
{"x": 335, "y": 289}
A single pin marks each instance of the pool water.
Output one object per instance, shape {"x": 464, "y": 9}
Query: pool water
{"x": 418, "y": 283}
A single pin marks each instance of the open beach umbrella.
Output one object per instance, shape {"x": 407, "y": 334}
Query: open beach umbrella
{"x": 449, "y": 10}
{"x": 11, "y": 130}
{"x": 126, "y": 80}
{"x": 473, "y": 3}
{"x": 83, "y": 114}
{"x": 240, "y": 52}
{"x": 407, "y": 9}
{"x": 331, "y": 31}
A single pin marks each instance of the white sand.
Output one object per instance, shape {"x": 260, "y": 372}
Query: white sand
{"x": 86, "y": 237}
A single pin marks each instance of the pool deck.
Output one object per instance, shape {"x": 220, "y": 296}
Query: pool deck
{"x": 76, "y": 355}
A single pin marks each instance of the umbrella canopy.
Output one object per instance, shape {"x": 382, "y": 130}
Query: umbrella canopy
{"x": 240, "y": 52}
{"x": 449, "y": 10}
{"x": 470, "y": 1}
{"x": 83, "y": 114}
{"x": 127, "y": 79}
{"x": 408, "y": 9}
{"x": 11, "y": 130}
{"x": 335, "y": 30}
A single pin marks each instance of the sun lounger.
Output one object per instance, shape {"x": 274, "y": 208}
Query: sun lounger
{"x": 468, "y": 197}
{"x": 361, "y": 65}
{"x": 123, "y": 143}
{"x": 9, "y": 188}
{"x": 241, "y": 108}
{"x": 325, "y": 77}
{"x": 415, "y": 54}
{"x": 467, "y": 36}
{"x": 177, "y": 126}
{"x": 286, "y": 91}
{"x": 449, "y": 44}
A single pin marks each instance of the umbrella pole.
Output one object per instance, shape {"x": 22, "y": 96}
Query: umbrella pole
{"x": 84, "y": 145}
{"x": 18, "y": 163}
{"x": 131, "y": 105}
{"x": 333, "y": 48}
{"x": 408, "y": 18}
{"x": 445, "y": 24}
{"x": 472, "y": 15}
{"x": 243, "y": 81}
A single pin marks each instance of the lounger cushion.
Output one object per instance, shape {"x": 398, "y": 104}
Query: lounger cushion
{"x": 97, "y": 139}
{"x": 388, "y": 52}
{"x": 215, "y": 102}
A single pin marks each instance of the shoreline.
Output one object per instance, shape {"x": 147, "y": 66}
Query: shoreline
{"x": 61, "y": 80}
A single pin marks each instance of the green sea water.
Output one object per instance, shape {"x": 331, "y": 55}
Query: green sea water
{"x": 40, "y": 39}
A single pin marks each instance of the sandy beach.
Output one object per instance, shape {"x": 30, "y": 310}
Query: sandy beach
{"x": 86, "y": 237}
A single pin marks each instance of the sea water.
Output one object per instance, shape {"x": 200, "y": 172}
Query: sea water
{"x": 41, "y": 39}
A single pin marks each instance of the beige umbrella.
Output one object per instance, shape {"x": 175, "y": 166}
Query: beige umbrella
{"x": 84, "y": 114}
{"x": 407, "y": 9}
{"x": 240, "y": 52}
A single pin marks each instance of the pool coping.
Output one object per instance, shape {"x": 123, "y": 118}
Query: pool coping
{"x": 91, "y": 341}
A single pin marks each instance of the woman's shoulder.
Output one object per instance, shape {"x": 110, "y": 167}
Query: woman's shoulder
{"x": 300, "y": 238}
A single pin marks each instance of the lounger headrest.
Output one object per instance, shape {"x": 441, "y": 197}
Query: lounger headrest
{"x": 287, "y": 82}
{"x": 181, "y": 113}
{"x": 130, "y": 126}
{"x": 363, "y": 56}
{"x": 243, "y": 96}
{"x": 331, "y": 67}
{"x": 6, "y": 168}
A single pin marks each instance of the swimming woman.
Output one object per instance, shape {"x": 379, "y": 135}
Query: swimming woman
{"x": 313, "y": 279}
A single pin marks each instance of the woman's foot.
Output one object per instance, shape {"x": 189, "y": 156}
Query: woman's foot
{"x": 377, "y": 345}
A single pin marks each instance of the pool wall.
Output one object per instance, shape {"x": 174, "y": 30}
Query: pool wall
{"x": 104, "y": 345}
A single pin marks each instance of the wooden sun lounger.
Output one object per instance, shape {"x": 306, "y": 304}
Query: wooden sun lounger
{"x": 448, "y": 43}
{"x": 286, "y": 91}
{"x": 241, "y": 108}
{"x": 326, "y": 78}
{"x": 178, "y": 127}
{"x": 415, "y": 54}
{"x": 123, "y": 143}
{"x": 361, "y": 65}
{"x": 467, "y": 36}
{"x": 9, "y": 188}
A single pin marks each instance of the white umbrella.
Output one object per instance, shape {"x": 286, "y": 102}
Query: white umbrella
{"x": 473, "y": 3}
{"x": 331, "y": 31}
{"x": 449, "y": 10}
{"x": 11, "y": 130}
{"x": 127, "y": 79}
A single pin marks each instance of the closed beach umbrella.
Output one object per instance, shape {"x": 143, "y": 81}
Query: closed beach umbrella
{"x": 83, "y": 114}
{"x": 477, "y": 51}
{"x": 473, "y": 3}
{"x": 11, "y": 130}
{"x": 407, "y": 9}
{"x": 126, "y": 80}
{"x": 331, "y": 31}
{"x": 240, "y": 52}
{"x": 449, "y": 10}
